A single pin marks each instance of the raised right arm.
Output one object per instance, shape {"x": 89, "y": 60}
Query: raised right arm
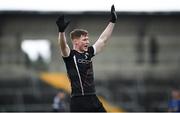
{"x": 65, "y": 50}
{"x": 62, "y": 24}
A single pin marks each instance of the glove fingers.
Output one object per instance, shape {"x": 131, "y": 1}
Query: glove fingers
{"x": 67, "y": 23}
{"x": 60, "y": 19}
{"x": 113, "y": 14}
{"x": 112, "y": 9}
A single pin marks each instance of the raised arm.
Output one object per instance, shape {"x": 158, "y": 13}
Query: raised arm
{"x": 106, "y": 34}
{"x": 62, "y": 24}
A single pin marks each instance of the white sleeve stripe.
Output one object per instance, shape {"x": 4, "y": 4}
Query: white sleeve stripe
{"x": 94, "y": 49}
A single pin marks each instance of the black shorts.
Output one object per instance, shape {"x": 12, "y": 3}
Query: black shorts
{"x": 88, "y": 103}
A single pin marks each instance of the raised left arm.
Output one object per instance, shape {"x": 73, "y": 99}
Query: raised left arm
{"x": 106, "y": 34}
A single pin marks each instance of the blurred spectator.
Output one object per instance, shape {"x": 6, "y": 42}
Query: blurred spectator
{"x": 174, "y": 103}
{"x": 153, "y": 50}
{"x": 27, "y": 60}
{"x": 58, "y": 102}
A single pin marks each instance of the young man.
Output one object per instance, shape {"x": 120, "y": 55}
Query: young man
{"x": 79, "y": 64}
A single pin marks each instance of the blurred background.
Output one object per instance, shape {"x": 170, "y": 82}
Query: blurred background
{"x": 137, "y": 70}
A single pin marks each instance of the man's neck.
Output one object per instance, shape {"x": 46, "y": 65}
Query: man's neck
{"x": 76, "y": 49}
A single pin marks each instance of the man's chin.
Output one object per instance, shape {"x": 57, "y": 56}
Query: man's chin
{"x": 86, "y": 49}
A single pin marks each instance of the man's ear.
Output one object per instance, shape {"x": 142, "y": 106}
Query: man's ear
{"x": 75, "y": 41}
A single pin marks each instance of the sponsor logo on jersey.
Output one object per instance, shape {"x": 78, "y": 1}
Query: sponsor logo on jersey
{"x": 84, "y": 61}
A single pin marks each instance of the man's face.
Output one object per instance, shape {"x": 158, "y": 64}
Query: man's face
{"x": 82, "y": 43}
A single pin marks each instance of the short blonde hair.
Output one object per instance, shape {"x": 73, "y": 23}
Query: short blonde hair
{"x": 76, "y": 33}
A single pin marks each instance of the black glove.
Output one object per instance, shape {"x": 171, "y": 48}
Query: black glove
{"x": 62, "y": 24}
{"x": 113, "y": 15}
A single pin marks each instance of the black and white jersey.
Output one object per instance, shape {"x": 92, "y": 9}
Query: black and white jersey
{"x": 80, "y": 72}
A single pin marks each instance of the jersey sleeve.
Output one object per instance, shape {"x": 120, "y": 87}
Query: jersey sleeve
{"x": 68, "y": 57}
{"x": 91, "y": 51}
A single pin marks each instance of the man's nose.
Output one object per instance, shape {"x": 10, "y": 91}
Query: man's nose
{"x": 87, "y": 42}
